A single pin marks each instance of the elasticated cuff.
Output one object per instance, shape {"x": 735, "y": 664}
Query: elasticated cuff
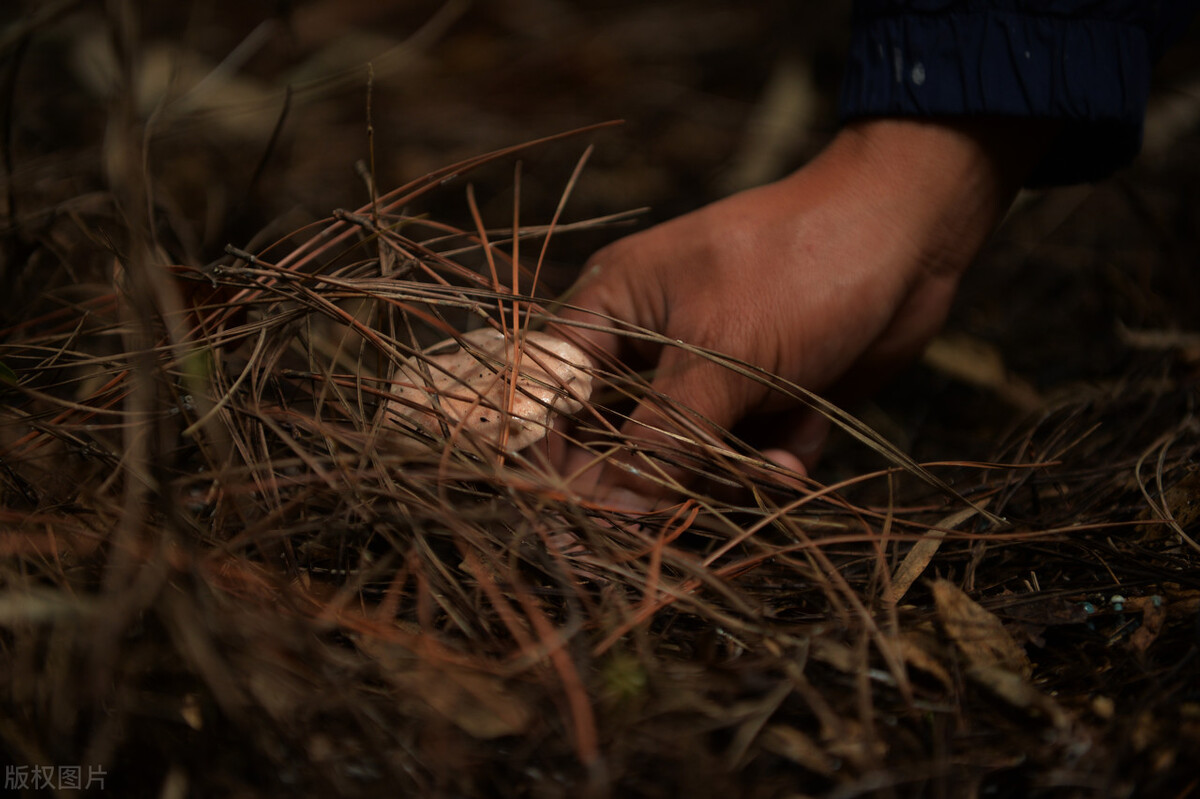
{"x": 1092, "y": 75}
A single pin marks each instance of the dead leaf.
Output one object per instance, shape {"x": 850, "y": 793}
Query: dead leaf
{"x": 996, "y": 661}
{"x": 835, "y": 654}
{"x": 980, "y": 364}
{"x": 918, "y": 558}
{"x": 777, "y": 130}
{"x": 479, "y": 704}
{"x": 916, "y": 651}
{"x": 1018, "y": 692}
{"x": 852, "y": 741}
{"x": 1185, "y": 342}
{"x": 979, "y": 635}
{"x": 191, "y": 711}
{"x": 1180, "y": 502}
{"x": 791, "y": 743}
{"x": 1154, "y": 615}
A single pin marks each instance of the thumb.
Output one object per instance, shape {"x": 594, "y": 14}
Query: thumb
{"x": 595, "y": 310}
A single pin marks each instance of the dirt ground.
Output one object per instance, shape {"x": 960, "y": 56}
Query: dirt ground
{"x": 217, "y": 578}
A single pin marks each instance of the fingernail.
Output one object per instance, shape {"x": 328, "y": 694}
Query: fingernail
{"x": 784, "y": 459}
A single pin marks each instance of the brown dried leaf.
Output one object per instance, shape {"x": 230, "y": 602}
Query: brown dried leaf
{"x": 1018, "y": 692}
{"x": 785, "y": 741}
{"x": 854, "y": 742}
{"x": 1180, "y": 502}
{"x": 918, "y": 558}
{"x": 916, "y": 648}
{"x": 479, "y": 704}
{"x": 1154, "y": 615}
{"x": 980, "y": 364}
{"x": 835, "y": 654}
{"x": 978, "y": 634}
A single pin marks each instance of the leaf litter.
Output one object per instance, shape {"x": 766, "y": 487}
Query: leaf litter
{"x": 227, "y": 568}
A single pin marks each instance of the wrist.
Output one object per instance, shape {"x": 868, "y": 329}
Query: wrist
{"x": 942, "y": 184}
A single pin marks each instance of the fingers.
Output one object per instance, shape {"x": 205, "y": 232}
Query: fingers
{"x": 594, "y": 314}
{"x": 688, "y": 407}
{"x": 801, "y": 443}
{"x": 913, "y": 324}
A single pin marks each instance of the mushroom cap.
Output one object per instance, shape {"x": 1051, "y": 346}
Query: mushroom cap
{"x": 466, "y": 383}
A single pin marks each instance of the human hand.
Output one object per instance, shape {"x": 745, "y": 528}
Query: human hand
{"x": 832, "y": 278}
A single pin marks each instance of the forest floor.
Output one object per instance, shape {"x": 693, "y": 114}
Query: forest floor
{"x": 226, "y": 570}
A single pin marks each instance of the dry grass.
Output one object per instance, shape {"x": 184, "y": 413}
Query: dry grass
{"x": 226, "y": 569}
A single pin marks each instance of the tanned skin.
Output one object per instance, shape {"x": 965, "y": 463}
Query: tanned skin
{"x": 832, "y": 278}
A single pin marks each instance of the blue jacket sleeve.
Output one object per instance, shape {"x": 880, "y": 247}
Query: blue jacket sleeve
{"x": 1085, "y": 63}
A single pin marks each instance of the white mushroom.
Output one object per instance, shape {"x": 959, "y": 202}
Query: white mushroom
{"x": 469, "y": 388}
